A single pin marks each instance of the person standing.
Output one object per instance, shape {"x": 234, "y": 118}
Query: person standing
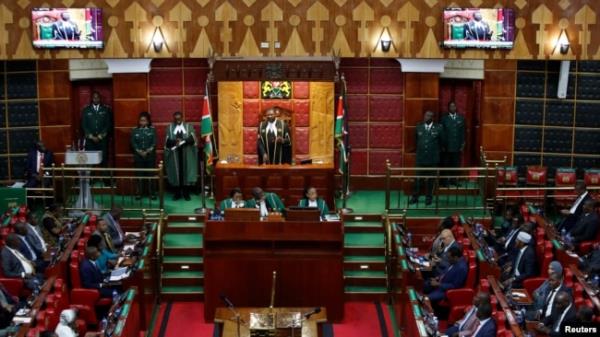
{"x": 96, "y": 122}
{"x": 143, "y": 143}
{"x": 454, "y": 140}
{"x": 273, "y": 143}
{"x": 181, "y": 156}
{"x": 429, "y": 137}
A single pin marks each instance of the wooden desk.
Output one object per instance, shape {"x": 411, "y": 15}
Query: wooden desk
{"x": 310, "y": 327}
{"x": 564, "y": 256}
{"x": 591, "y": 293}
{"x": 510, "y": 316}
{"x": 486, "y": 267}
{"x": 527, "y": 300}
{"x": 414, "y": 322}
{"x": 59, "y": 268}
{"x": 288, "y": 181}
{"x": 240, "y": 257}
{"x": 35, "y": 308}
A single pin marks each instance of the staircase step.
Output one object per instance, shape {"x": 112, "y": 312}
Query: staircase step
{"x": 185, "y": 227}
{"x": 363, "y": 240}
{"x": 183, "y": 244}
{"x": 182, "y": 274}
{"x": 364, "y": 274}
{"x": 365, "y": 293}
{"x": 174, "y": 263}
{"x": 364, "y": 263}
{"x": 182, "y": 278}
{"x": 363, "y": 227}
{"x": 183, "y": 294}
{"x": 362, "y": 217}
{"x": 368, "y": 278}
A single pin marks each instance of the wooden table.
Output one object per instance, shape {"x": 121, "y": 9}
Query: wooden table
{"x": 310, "y": 327}
{"x": 288, "y": 181}
{"x": 240, "y": 257}
{"x": 486, "y": 267}
{"x": 591, "y": 293}
{"x": 526, "y": 300}
{"x": 510, "y": 316}
{"x": 414, "y": 321}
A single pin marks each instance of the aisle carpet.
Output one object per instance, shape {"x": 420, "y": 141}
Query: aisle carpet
{"x": 361, "y": 319}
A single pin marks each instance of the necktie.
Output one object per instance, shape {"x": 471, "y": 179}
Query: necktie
{"x": 108, "y": 241}
{"x": 31, "y": 251}
{"x": 548, "y": 307}
{"x": 465, "y": 322}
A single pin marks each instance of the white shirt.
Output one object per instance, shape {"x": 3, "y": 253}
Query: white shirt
{"x": 39, "y": 161}
{"x": 27, "y": 266}
{"x": 467, "y": 316}
{"x": 180, "y": 128}
{"x": 262, "y": 205}
{"x": 312, "y": 203}
{"x": 516, "y": 266}
{"x": 510, "y": 236}
{"x": 448, "y": 246}
{"x": 36, "y": 233}
{"x": 559, "y": 322}
{"x": 96, "y": 107}
{"x": 553, "y": 293}
{"x": 237, "y": 204}
{"x": 272, "y": 127}
{"x": 453, "y": 115}
{"x": 577, "y": 202}
{"x": 428, "y": 126}
{"x": 31, "y": 250}
{"x": 481, "y": 324}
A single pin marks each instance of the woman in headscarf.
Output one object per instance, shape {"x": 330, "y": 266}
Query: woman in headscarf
{"x": 66, "y": 325}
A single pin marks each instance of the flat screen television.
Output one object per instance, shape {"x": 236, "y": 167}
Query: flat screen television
{"x": 492, "y": 28}
{"x": 67, "y": 28}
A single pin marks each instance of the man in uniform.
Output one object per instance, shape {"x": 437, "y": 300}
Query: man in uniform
{"x": 429, "y": 137}
{"x": 274, "y": 143}
{"x": 96, "y": 122}
{"x": 454, "y": 140}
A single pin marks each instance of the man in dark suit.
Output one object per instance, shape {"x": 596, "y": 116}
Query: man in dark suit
{"x": 36, "y": 158}
{"x": 586, "y": 227}
{"x": 429, "y": 137}
{"x": 273, "y": 141}
{"x": 266, "y": 202}
{"x": 15, "y": 265}
{"x": 563, "y": 314}
{"x": 523, "y": 265}
{"x": 454, "y": 140}
{"x": 90, "y": 274}
{"x": 544, "y": 307}
{"x": 572, "y": 214}
{"x": 477, "y": 29}
{"x": 441, "y": 262}
{"x": 454, "y": 277}
{"x": 467, "y": 325}
{"x": 65, "y": 28}
{"x": 112, "y": 219}
{"x": 34, "y": 234}
{"x": 487, "y": 325}
{"x": 28, "y": 249}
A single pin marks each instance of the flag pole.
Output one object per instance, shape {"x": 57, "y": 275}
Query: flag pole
{"x": 346, "y": 176}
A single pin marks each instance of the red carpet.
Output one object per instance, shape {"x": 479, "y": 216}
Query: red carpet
{"x": 187, "y": 319}
{"x": 360, "y": 320}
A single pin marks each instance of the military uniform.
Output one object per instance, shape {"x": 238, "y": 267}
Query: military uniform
{"x": 454, "y": 140}
{"x": 278, "y": 153}
{"x": 144, "y": 139}
{"x": 96, "y": 121}
{"x": 429, "y": 141}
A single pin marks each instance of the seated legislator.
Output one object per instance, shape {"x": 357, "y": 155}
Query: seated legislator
{"x": 544, "y": 306}
{"x": 505, "y": 242}
{"x": 235, "y": 200}
{"x": 486, "y": 325}
{"x": 112, "y": 219}
{"x": 438, "y": 245}
{"x": 52, "y": 224}
{"x": 573, "y": 213}
{"x": 586, "y": 227}
{"x": 106, "y": 242}
{"x": 563, "y": 314}
{"x": 91, "y": 275}
{"x": 454, "y": 277}
{"x": 539, "y": 295}
{"x": 66, "y": 326}
{"x": 311, "y": 199}
{"x": 107, "y": 259}
{"x": 441, "y": 262}
{"x": 466, "y": 325}
{"x": 36, "y": 158}
{"x": 590, "y": 263}
{"x": 523, "y": 265}
{"x": 15, "y": 265}
{"x": 266, "y": 202}
{"x": 34, "y": 234}
{"x": 28, "y": 249}
{"x": 273, "y": 142}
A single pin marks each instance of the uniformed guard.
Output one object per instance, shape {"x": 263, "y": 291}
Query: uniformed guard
{"x": 143, "y": 143}
{"x": 96, "y": 122}
{"x": 454, "y": 139}
{"x": 429, "y": 137}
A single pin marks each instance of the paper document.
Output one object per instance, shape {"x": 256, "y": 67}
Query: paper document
{"x": 178, "y": 145}
{"x": 332, "y": 217}
{"x": 119, "y": 274}
{"x": 133, "y": 234}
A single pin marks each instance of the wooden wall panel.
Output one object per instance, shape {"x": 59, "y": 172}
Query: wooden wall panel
{"x": 498, "y": 111}
{"x": 128, "y": 111}
{"x": 415, "y": 108}
{"x": 230, "y": 120}
{"x": 304, "y": 28}
{"x": 497, "y": 137}
{"x": 130, "y": 86}
{"x": 55, "y": 112}
{"x": 321, "y": 121}
{"x": 422, "y": 85}
{"x": 498, "y": 83}
{"x": 54, "y": 84}
{"x": 56, "y": 138}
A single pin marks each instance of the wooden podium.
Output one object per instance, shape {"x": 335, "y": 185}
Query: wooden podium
{"x": 288, "y": 181}
{"x": 240, "y": 257}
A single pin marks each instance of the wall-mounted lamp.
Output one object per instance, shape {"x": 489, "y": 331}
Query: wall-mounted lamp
{"x": 158, "y": 40}
{"x": 563, "y": 42}
{"x": 386, "y": 40}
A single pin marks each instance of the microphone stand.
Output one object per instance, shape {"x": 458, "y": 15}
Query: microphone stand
{"x": 237, "y": 317}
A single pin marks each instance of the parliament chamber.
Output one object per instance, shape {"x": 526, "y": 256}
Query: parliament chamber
{"x": 406, "y": 168}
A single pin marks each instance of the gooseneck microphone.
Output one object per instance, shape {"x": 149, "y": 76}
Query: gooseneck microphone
{"x": 316, "y": 310}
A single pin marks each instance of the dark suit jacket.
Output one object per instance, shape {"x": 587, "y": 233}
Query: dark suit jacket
{"x": 488, "y": 329}
{"x": 26, "y": 252}
{"x": 552, "y": 321}
{"x": 90, "y": 275}
{"x": 586, "y": 227}
{"x": 455, "y": 277}
{"x": 568, "y": 222}
{"x": 545, "y": 299}
{"x": 442, "y": 266}
{"x": 11, "y": 266}
{"x": 527, "y": 266}
{"x": 31, "y": 166}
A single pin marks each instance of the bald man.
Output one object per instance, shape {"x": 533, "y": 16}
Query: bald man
{"x": 441, "y": 262}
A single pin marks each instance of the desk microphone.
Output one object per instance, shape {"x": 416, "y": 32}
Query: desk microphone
{"x": 226, "y": 300}
{"x": 316, "y": 310}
